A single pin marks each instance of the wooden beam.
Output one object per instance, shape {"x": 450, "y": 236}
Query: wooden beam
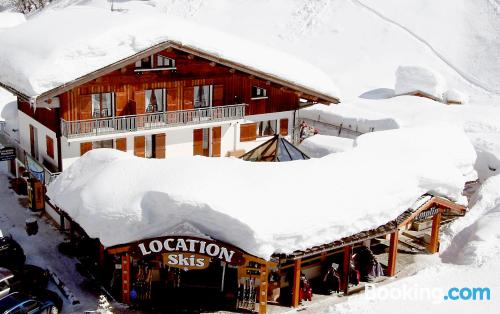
{"x": 296, "y": 283}
{"x": 434, "y": 244}
{"x": 344, "y": 285}
{"x": 393, "y": 252}
{"x": 264, "y": 270}
{"x": 126, "y": 279}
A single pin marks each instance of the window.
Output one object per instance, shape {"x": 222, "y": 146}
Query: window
{"x": 103, "y": 105}
{"x": 164, "y": 62}
{"x": 102, "y": 144}
{"x": 203, "y": 96}
{"x": 34, "y": 142}
{"x": 50, "y": 146}
{"x": 266, "y": 128}
{"x": 155, "y": 62}
{"x": 29, "y": 306}
{"x": 258, "y": 92}
{"x": 155, "y": 100}
{"x": 149, "y": 149}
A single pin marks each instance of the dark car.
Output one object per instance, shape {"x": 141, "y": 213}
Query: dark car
{"x": 18, "y": 303}
{"x": 11, "y": 253}
{"x": 29, "y": 279}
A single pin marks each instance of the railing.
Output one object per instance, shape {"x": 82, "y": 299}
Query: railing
{"x": 149, "y": 121}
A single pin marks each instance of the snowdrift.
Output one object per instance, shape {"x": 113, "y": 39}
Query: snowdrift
{"x": 322, "y": 145}
{"x": 411, "y": 79}
{"x": 120, "y": 198}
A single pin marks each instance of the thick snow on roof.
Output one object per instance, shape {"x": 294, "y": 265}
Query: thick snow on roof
{"x": 8, "y": 106}
{"x": 411, "y": 79}
{"x": 259, "y": 207}
{"x": 60, "y": 45}
{"x": 321, "y": 145}
{"x": 453, "y": 95}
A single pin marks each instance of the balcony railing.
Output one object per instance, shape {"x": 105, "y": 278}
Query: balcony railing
{"x": 149, "y": 121}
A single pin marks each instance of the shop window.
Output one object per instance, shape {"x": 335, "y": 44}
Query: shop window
{"x": 154, "y": 100}
{"x": 266, "y": 128}
{"x": 103, "y": 105}
{"x": 258, "y": 92}
{"x": 50, "y": 146}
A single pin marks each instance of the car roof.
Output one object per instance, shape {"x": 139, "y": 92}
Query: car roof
{"x": 5, "y": 274}
{"x": 12, "y": 300}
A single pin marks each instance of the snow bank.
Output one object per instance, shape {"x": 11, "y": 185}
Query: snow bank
{"x": 51, "y": 56}
{"x": 455, "y": 96}
{"x": 10, "y": 19}
{"x": 322, "y": 145}
{"x": 411, "y": 79}
{"x": 8, "y": 106}
{"x": 120, "y": 198}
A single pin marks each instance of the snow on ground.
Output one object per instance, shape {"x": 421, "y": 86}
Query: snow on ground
{"x": 411, "y": 79}
{"x": 121, "y": 198}
{"x": 322, "y": 145}
{"x": 50, "y": 56}
{"x": 10, "y": 19}
{"x": 41, "y": 249}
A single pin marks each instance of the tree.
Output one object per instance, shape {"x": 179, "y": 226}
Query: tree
{"x": 28, "y": 6}
{"x": 103, "y": 306}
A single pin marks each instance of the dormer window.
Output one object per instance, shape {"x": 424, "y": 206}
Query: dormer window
{"x": 258, "y": 92}
{"x": 164, "y": 62}
{"x": 155, "y": 63}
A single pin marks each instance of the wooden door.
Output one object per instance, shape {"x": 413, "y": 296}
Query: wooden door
{"x": 160, "y": 144}
{"x": 188, "y": 98}
{"x": 32, "y": 141}
{"x": 140, "y": 146}
{"x": 85, "y": 147}
{"x": 218, "y": 99}
{"x": 198, "y": 142}
{"x": 85, "y": 107}
{"x": 121, "y": 144}
{"x": 216, "y": 140}
{"x": 140, "y": 107}
{"x": 284, "y": 127}
{"x": 121, "y": 100}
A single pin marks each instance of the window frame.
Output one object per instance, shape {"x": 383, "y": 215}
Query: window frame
{"x": 112, "y": 105}
{"x": 153, "y": 64}
{"x": 256, "y": 96}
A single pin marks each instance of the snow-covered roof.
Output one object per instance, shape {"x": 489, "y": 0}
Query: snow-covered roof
{"x": 321, "y": 145}
{"x": 414, "y": 79}
{"x": 61, "y": 45}
{"x": 455, "y": 96}
{"x": 263, "y": 208}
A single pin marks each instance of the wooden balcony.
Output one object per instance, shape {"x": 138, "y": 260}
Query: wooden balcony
{"x": 150, "y": 121}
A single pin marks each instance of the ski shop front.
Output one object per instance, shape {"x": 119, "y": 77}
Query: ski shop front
{"x": 187, "y": 273}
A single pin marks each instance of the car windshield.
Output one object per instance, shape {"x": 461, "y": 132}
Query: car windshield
{"x": 11, "y": 301}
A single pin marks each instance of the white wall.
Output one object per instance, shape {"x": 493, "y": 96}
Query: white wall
{"x": 42, "y": 132}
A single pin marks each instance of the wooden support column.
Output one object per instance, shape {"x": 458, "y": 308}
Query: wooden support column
{"x": 126, "y": 279}
{"x": 61, "y": 223}
{"x": 434, "y": 244}
{"x": 344, "y": 285}
{"x": 296, "y": 283}
{"x": 102, "y": 256}
{"x": 393, "y": 252}
{"x": 264, "y": 270}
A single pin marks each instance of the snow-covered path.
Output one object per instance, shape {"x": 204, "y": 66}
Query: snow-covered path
{"x": 41, "y": 249}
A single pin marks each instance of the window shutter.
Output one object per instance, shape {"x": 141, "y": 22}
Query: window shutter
{"x": 218, "y": 95}
{"x": 284, "y": 127}
{"x": 139, "y": 146}
{"x": 197, "y": 142}
{"x": 85, "y": 107}
{"x": 172, "y": 99}
{"x": 121, "y": 103}
{"x": 50, "y": 146}
{"x": 121, "y": 144}
{"x": 248, "y": 132}
{"x": 85, "y": 147}
{"x": 216, "y": 137}
{"x": 140, "y": 102}
{"x": 188, "y": 98}
{"x": 160, "y": 143}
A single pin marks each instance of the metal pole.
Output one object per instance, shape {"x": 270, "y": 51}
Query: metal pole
{"x": 223, "y": 276}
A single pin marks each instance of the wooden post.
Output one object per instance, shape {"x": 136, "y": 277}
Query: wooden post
{"x": 393, "y": 252}
{"x": 126, "y": 279}
{"x": 296, "y": 283}
{"x": 434, "y": 244}
{"x": 102, "y": 256}
{"x": 263, "y": 288}
{"x": 344, "y": 285}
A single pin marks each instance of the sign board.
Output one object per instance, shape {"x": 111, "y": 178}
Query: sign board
{"x": 427, "y": 213}
{"x": 187, "y": 252}
{"x": 35, "y": 169}
{"x": 7, "y": 153}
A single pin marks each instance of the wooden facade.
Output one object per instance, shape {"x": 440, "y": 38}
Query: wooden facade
{"x": 129, "y": 85}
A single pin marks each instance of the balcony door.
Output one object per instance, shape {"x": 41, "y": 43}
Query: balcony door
{"x": 207, "y": 142}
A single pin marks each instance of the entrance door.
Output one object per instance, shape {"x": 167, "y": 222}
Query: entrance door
{"x": 207, "y": 142}
{"x": 34, "y": 142}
